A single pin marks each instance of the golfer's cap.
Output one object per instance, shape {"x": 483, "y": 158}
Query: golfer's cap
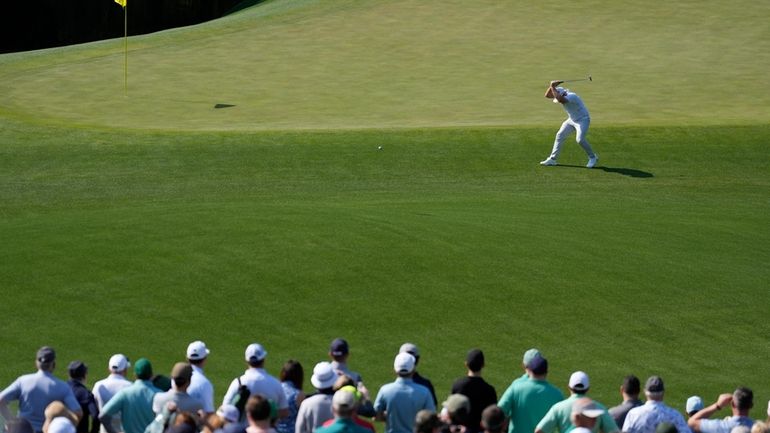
{"x": 694, "y": 404}
{"x": 118, "y": 362}
{"x": 666, "y": 427}
{"x": 197, "y": 350}
{"x": 586, "y": 407}
{"x": 579, "y": 381}
{"x": 46, "y": 355}
{"x": 339, "y": 347}
{"x": 529, "y": 354}
{"x": 538, "y": 365}
{"x": 344, "y": 399}
{"x": 456, "y": 402}
{"x": 255, "y": 352}
{"x": 410, "y": 348}
{"x": 229, "y": 413}
{"x": 404, "y": 363}
{"x": 654, "y": 384}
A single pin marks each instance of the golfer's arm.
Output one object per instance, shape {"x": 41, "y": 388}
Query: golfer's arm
{"x": 549, "y": 92}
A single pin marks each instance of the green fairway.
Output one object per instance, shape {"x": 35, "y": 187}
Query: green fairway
{"x": 376, "y": 177}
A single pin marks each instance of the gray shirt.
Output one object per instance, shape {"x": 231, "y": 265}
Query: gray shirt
{"x": 184, "y": 402}
{"x": 619, "y": 412}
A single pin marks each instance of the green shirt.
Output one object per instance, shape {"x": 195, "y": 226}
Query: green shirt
{"x": 559, "y": 418}
{"x": 134, "y": 404}
{"x": 526, "y": 401}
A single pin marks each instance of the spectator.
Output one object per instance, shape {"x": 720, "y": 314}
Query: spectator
{"x": 317, "y": 408}
{"x": 645, "y": 418}
{"x": 456, "y": 412}
{"x": 760, "y": 427}
{"x": 36, "y": 391}
{"x": 258, "y": 412}
{"x": 693, "y": 405}
{"x": 345, "y": 383}
{"x": 106, "y": 388}
{"x": 529, "y": 355}
{"x": 365, "y": 407}
{"x": 133, "y": 403}
{"x": 480, "y": 393}
{"x": 629, "y": 390}
{"x": 740, "y": 402}
{"x": 292, "y": 377}
{"x": 585, "y": 413}
{"x": 258, "y": 381}
{"x": 181, "y": 375}
{"x": 420, "y": 380}
{"x": 397, "y": 403}
{"x": 89, "y": 422}
{"x": 200, "y": 386}
{"x": 493, "y": 419}
{"x": 427, "y": 421}
{"x": 59, "y": 418}
{"x": 526, "y": 401}
{"x": 344, "y": 408}
{"x": 559, "y": 416}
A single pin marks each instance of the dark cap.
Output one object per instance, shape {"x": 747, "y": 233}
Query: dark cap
{"x": 46, "y": 355}
{"x": 538, "y": 365}
{"x": 143, "y": 369}
{"x": 339, "y": 347}
{"x": 475, "y": 360}
{"x": 654, "y": 384}
{"x": 77, "y": 369}
{"x": 666, "y": 427}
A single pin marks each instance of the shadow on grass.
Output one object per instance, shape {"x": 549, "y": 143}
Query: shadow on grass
{"x": 630, "y": 172}
{"x": 242, "y": 5}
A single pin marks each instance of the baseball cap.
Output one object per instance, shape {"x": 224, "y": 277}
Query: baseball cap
{"x": 344, "y": 399}
{"x": 61, "y": 424}
{"x": 654, "y": 384}
{"x": 404, "y": 363}
{"x": 77, "y": 369}
{"x": 118, "y": 362}
{"x": 324, "y": 375}
{"x": 255, "y": 352}
{"x": 57, "y": 409}
{"x": 578, "y": 381}
{"x": 580, "y": 430}
{"x": 456, "y": 402}
{"x": 475, "y": 360}
{"x": 45, "y": 355}
{"x": 197, "y": 350}
{"x": 529, "y": 354}
{"x": 666, "y": 427}
{"x": 586, "y": 407}
{"x": 538, "y": 365}
{"x": 182, "y": 370}
{"x": 143, "y": 369}
{"x": 229, "y": 413}
{"x": 410, "y": 349}
{"x": 694, "y": 404}
{"x": 339, "y": 347}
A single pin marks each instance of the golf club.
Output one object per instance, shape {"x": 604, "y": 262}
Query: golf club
{"x": 579, "y": 79}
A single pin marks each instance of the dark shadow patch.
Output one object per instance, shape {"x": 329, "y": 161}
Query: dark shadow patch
{"x": 630, "y": 172}
{"x": 223, "y": 105}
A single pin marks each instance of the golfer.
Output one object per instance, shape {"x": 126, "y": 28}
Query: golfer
{"x": 577, "y": 121}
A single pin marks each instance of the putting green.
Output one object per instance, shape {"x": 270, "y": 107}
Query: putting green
{"x": 372, "y": 64}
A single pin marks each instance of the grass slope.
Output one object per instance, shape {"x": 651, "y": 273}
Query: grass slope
{"x": 369, "y": 64}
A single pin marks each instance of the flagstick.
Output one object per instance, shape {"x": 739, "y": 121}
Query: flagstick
{"x": 125, "y": 50}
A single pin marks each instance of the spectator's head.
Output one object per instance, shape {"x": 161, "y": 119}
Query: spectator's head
{"x": 578, "y": 382}
{"x": 77, "y": 370}
{"x": 323, "y": 377}
{"x": 631, "y": 386}
{"x": 228, "y": 413}
{"x": 528, "y": 355}
{"x": 458, "y": 408}
{"x": 537, "y": 366}
{"x": 197, "y": 353}
{"x": 57, "y": 410}
{"x": 258, "y": 409}
{"x": 339, "y": 350}
{"x": 493, "y": 419}
{"x": 59, "y": 425}
{"x": 293, "y": 372}
{"x": 427, "y": 421}
{"x": 758, "y": 427}
{"x": 45, "y": 359}
{"x": 585, "y": 412}
{"x": 743, "y": 399}
{"x": 255, "y": 355}
{"x": 654, "y": 388}
{"x": 161, "y": 382}
{"x": 666, "y": 427}
{"x": 475, "y": 360}
{"x": 118, "y": 364}
{"x": 693, "y": 405}
{"x": 143, "y": 369}
{"x": 342, "y": 381}
{"x": 181, "y": 375}
{"x": 344, "y": 403}
{"x": 411, "y": 349}
{"x": 404, "y": 364}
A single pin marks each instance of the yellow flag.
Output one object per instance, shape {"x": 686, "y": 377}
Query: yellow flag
{"x": 121, "y": 2}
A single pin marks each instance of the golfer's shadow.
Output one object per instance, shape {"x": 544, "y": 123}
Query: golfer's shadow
{"x": 630, "y": 172}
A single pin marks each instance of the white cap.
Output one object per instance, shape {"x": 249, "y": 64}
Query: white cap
{"x": 197, "y": 350}
{"x": 768, "y": 408}
{"x": 255, "y": 352}
{"x": 409, "y": 348}
{"x": 118, "y": 363}
{"x": 324, "y": 375}
{"x": 580, "y": 430}
{"x": 61, "y": 424}
{"x": 693, "y": 404}
{"x": 404, "y": 363}
{"x": 578, "y": 381}
{"x": 229, "y": 413}
{"x": 344, "y": 399}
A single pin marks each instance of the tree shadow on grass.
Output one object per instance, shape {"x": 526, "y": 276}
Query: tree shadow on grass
{"x": 630, "y": 172}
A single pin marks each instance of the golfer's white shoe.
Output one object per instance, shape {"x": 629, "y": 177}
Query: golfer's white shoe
{"x": 548, "y": 161}
{"x": 592, "y": 161}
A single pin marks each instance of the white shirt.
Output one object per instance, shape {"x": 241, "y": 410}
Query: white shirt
{"x": 645, "y": 418}
{"x": 259, "y": 382}
{"x": 104, "y": 390}
{"x": 201, "y": 389}
{"x": 575, "y": 108}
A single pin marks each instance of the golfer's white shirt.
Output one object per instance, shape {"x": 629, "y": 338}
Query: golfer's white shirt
{"x": 575, "y": 108}
{"x": 104, "y": 390}
{"x": 201, "y": 389}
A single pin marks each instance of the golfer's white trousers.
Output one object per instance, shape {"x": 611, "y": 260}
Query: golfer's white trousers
{"x": 580, "y": 127}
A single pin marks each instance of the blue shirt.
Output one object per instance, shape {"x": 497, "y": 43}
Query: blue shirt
{"x": 286, "y": 424}
{"x": 35, "y": 392}
{"x": 134, "y": 403}
{"x": 401, "y": 400}
{"x": 724, "y": 425}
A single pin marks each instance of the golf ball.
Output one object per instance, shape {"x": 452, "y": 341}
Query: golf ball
{"x": 379, "y": 147}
